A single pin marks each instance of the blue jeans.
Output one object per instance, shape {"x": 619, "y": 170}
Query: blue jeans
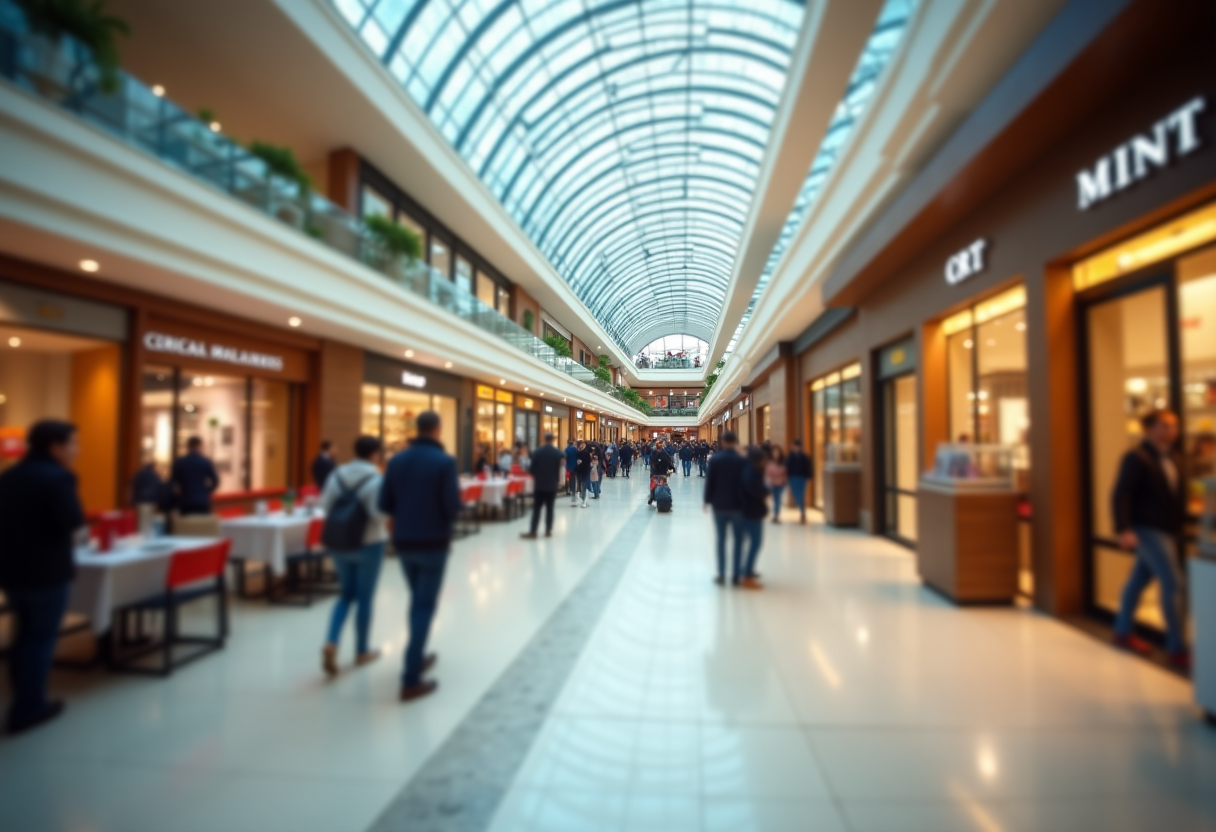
{"x": 37, "y": 613}
{"x": 582, "y": 488}
{"x": 424, "y": 574}
{"x": 687, "y": 466}
{"x": 1156, "y": 557}
{"x": 798, "y": 493}
{"x": 778, "y": 493}
{"x": 724, "y": 521}
{"x": 358, "y": 572}
{"x": 753, "y": 532}
{"x": 595, "y": 487}
{"x": 701, "y": 463}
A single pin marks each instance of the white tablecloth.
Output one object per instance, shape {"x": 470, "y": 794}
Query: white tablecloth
{"x": 268, "y": 539}
{"x": 493, "y": 492}
{"x": 133, "y": 571}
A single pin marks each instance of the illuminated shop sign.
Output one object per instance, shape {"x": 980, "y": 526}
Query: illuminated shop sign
{"x": 413, "y": 379}
{"x": 190, "y": 348}
{"x": 968, "y": 262}
{"x": 548, "y": 408}
{"x": 1175, "y": 135}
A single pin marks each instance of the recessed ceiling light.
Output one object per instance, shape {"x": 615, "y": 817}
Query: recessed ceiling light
{"x": 215, "y": 126}
{"x": 14, "y": 341}
{"x": 158, "y": 90}
{"x": 502, "y": 381}
{"x": 448, "y": 365}
{"x": 294, "y": 321}
{"x": 409, "y": 353}
{"x": 525, "y": 389}
{"x": 89, "y": 265}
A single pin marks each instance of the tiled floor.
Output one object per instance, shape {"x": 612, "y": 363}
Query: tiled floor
{"x": 842, "y": 697}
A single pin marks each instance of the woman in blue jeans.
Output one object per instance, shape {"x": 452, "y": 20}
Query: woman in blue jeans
{"x": 753, "y": 494}
{"x": 358, "y": 569}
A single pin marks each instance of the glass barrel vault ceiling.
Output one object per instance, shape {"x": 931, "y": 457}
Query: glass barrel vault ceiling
{"x": 880, "y": 47}
{"x": 624, "y": 136}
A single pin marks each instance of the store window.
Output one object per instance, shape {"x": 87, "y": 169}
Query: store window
{"x": 485, "y": 289}
{"x": 391, "y": 413}
{"x": 244, "y": 424}
{"x": 493, "y": 426}
{"x": 375, "y": 202}
{"x": 835, "y": 421}
{"x": 440, "y": 257}
{"x": 764, "y": 424}
{"x": 464, "y": 274}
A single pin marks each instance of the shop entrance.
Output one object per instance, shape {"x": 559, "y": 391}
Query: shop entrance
{"x": 1149, "y": 342}
{"x": 900, "y": 469}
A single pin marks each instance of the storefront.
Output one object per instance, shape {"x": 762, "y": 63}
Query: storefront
{"x": 1011, "y": 340}
{"x": 555, "y": 419}
{"x": 493, "y": 422}
{"x": 61, "y": 357}
{"x": 527, "y": 421}
{"x": 243, "y": 397}
{"x": 395, "y": 392}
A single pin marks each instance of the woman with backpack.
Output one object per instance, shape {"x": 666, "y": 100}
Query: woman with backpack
{"x": 354, "y": 535}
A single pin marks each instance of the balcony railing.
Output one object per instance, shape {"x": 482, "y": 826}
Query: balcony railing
{"x": 682, "y": 412}
{"x": 672, "y": 362}
{"x": 64, "y": 74}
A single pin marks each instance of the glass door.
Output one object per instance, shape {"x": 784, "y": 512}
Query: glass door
{"x": 900, "y": 454}
{"x": 1127, "y": 343}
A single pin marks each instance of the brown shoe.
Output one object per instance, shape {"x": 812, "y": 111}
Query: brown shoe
{"x": 549, "y": 533}
{"x": 752, "y": 583}
{"x": 423, "y": 688}
{"x": 367, "y": 658}
{"x": 429, "y": 660}
{"x": 719, "y": 580}
{"x": 528, "y": 535}
{"x": 329, "y": 660}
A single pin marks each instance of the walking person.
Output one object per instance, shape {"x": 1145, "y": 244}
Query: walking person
{"x": 776, "y": 477}
{"x": 661, "y": 464}
{"x": 686, "y": 455}
{"x": 1148, "y": 517}
{"x": 723, "y": 495}
{"x": 323, "y": 465}
{"x": 582, "y": 472}
{"x": 798, "y": 470}
{"x": 627, "y": 455}
{"x": 546, "y": 467}
{"x": 571, "y": 470}
{"x": 753, "y": 506}
{"x": 595, "y": 474}
{"x": 193, "y": 479}
{"x": 611, "y": 459}
{"x": 41, "y": 515}
{"x": 354, "y": 535}
{"x": 702, "y": 457}
{"x": 421, "y": 496}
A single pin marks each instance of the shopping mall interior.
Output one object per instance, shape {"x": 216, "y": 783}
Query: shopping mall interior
{"x": 911, "y": 301}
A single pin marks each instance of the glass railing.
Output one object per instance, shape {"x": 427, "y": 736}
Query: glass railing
{"x": 670, "y": 362}
{"x": 682, "y": 412}
{"x": 65, "y": 75}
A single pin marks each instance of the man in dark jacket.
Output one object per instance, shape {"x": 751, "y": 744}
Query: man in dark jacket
{"x": 627, "y": 455}
{"x": 193, "y": 479}
{"x": 722, "y": 494}
{"x": 701, "y": 454}
{"x": 582, "y": 472}
{"x": 571, "y": 469}
{"x": 39, "y": 515}
{"x": 798, "y": 469}
{"x": 546, "y": 470}
{"x": 753, "y": 507}
{"x": 323, "y": 465}
{"x": 686, "y": 455}
{"x": 661, "y": 464}
{"x": 1148, "y": 517}
{"x": 421, "y": 496}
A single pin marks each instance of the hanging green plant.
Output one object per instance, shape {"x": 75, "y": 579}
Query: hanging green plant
{"x": 394, "y": 241}
{"x": 602, "y": 373}
{"x": 529, "y": 320}
{"x": 605, "y": 361}
{"x": 559, "y": 345}
{"x": 88, "y": 24}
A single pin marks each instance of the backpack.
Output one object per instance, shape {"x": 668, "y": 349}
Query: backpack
{"x": 346, "y": 520}
{"x": 662, "y": 496}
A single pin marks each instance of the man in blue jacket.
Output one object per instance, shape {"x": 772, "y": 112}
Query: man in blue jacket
{"x": 722, "y": 494}
{"x": 40, "y": 514}
{"x": 193, "y": 479}
{"x": 421, "y": 496}
{"x": 571, "y": 469}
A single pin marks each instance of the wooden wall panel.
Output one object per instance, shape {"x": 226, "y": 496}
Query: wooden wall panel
{"x": 340, "y": 388}
{"x": 96, "y": 392}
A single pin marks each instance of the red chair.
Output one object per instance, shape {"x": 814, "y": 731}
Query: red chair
{"x": 193, "y": 574}
{"x": 230, "y": 512}
{"x": 305, "y": 571}
{"x": 470, "y": 513}
{"x": 307, "y": 491}
{"x": 274, "y": 505}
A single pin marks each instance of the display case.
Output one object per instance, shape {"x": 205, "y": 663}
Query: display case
{"x": 842, "y": 484}
{"x": 967, "y": 516}
{"x": 1202, "y": 582}
{"x": 967, "y": 467}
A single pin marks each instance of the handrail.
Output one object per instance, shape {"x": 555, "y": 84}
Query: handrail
{"x": 65, "y": 75}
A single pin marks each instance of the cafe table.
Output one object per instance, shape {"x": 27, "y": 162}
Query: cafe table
{"x": 268, "y": 538}
{"x": 133, "y": 570}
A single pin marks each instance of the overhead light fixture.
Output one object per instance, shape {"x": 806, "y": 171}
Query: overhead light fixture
{"x": 502, "y": 381}
{"x": 448, "y": 365}
{"x": 409, "y": 353}
{"x": 89, "y": 265}
{"x": 14, "y": 341}
{"x": 215, "y": 126}
{"x": 526, "y": 389}
{"x": 158, "y": 90}
{"x": 294, "y": 321}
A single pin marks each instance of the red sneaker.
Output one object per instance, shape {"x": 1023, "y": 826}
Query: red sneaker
{"x": 1133, "y": 644}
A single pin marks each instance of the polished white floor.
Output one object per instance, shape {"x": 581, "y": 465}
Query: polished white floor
{"x": 841, "y": 697}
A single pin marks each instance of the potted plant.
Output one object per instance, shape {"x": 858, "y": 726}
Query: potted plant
{"x": 93, "y": 30}
{"x": 529, "y": 321}
{"x": 559, "y": 345}
{"x": 392, "y": 246}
